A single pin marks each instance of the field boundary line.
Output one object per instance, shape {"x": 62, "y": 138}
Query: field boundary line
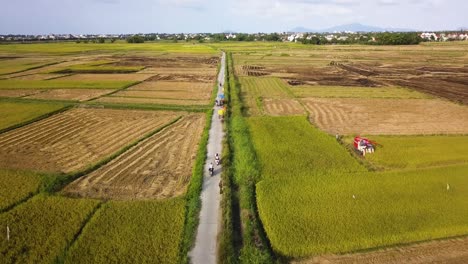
{"x": 39, "y": 118}
{"x": 19, "y": 202}
{"x": 28, "y": 69}
{"x": 62, "y": 181}
{"x": 61, "y": 258}
{"x": 115, "y": 91}
{"x": 154, "y": 107}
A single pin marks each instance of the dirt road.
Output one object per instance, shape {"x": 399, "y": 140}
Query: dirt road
{"x": 204, "y": 251}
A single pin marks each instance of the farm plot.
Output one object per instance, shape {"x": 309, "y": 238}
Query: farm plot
{"x": 356, "y": 92}
{"x": 15, "y": 113}
{"x": 42, "y": 228}
{"x": 164, "y": 92}
{"x": 156, "y": 101}
{"x": 75, "y": 139}
{"x": 443, "y": 251}
{"x": 254, "y": 90}
{"x": 98, "y": 67}
{"x": 17, "y": 93}
{"x": 69, "y": 94}
{"x": 16, "y": 186}
{"x": 107, "y": 77}
{"x": 316, "y": 215}
{"x": 22, "y": 64}
{"x": 132, "y": 232}
{"x": 158, "y": 167}
{"x": 59, "y": 84}
{"x": 189, "y": 87}
{"x": 412, "y": 152}
{"x": 283, "y": 107}
{"x": 387, "y": 116}
{"x": 38, "y": 77}
{"x": 289, "y": 147}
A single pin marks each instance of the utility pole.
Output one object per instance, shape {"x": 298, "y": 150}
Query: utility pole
{"x": 8, "y": 233}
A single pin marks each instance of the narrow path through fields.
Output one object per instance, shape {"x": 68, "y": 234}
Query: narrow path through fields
{"x": 204, "y": 251}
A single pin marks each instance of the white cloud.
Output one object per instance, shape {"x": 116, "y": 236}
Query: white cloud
{"x": 289, "y": 11}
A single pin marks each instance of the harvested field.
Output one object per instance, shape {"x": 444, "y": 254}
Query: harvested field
{"x": 356, "y": 92}
{"x": 37, "y": 77}
{"x": 387, "y": 116}
{"x": 184, "y": 95}
{"x": 283, "y": 107}
{"x": 182, "y": 71}
{"x": 172, "y": 86}
{"x": 105, "y": 77}
{"x": 70, "y": 94}
{"x": 159, "y": 167}
{"x": 75, "y": 139}
{"x": 450, "y": 251}
{"x": 184, "y": 78}
{"x": 135, "y": 100}
{"x": 168, "y": 61}
{"x": 17, "y": 93}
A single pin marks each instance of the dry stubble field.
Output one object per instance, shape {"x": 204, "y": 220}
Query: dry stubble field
{"x": 158, "y": 167}
{"x": 72, "y": 140}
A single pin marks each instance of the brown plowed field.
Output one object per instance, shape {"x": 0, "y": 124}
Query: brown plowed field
{"x": 159, "y": 167}
{"x": 283, "y": 107}
{"x": 70, "y": 94}
{"x": 387, "y": 116}
{"x": 72, "y": 140}
{"x": 135, "y": 100}
{"x": 105, "y": 77}
{"x": 452, "y": 251}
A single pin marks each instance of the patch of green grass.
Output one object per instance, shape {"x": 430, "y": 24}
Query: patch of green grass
{"x": 317, "y": 214}
{"x": 63, "y": 48}
{"x": 42, "y": 228}
{"x": 14, "y": 113}
{"x": 411, "y": 152}
{"x": 356, "y": 92}
{"x": 22, "y": 64}
{"x": 131, "y": 232}
{"x": 63, "y": 84}
{"x": 289, "y": 147}
{"x": 16, "y": 186}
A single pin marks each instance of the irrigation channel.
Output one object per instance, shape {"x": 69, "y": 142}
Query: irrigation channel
{"x": 204, "y": 251}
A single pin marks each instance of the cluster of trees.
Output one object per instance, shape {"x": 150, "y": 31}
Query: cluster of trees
{"x": 386, "y": 38}
{"x": 96, "y": 40}
{"x": 136, "y": 39}
{"x": 398, "y": 39}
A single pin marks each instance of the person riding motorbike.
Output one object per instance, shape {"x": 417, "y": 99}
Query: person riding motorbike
{"x": 217, "y": 159}
{"x": 211, "y": 168}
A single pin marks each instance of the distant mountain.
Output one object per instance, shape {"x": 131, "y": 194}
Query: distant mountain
{"x": 228, "y": 31}
{"x": 355, "y": 27}
{"x": 302, "y": 29}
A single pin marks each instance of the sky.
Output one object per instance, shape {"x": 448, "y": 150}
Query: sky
{"x": 193, "y": 16}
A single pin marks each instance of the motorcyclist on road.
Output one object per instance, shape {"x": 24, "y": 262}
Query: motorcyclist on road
{"x": 210, "y": 168}
{"x": 217, "y": 159}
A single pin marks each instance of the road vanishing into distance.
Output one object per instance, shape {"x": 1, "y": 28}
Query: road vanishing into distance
{"x": 204, "y": 251}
